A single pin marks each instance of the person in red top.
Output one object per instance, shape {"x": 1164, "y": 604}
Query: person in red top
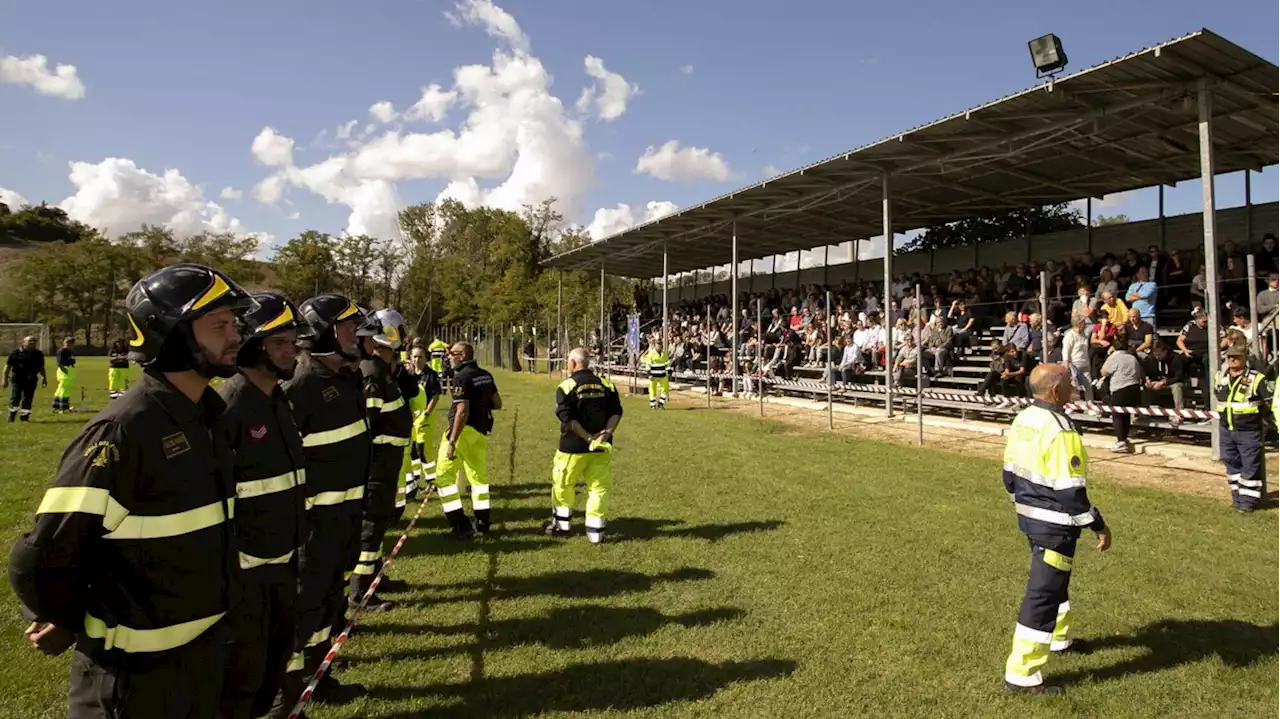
{"x": 1100, "y": 339}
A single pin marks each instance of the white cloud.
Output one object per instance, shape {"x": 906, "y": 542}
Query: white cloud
{"x": 12, "y": 199}
{"x": 33, "y": 70}
{"x": 270, "y": 191}
{"x": 1109, "y": 202}
{"x": 496, "y": 21}
{"x": 117, "y": 196}
{"x": 609, "y": 95}
{"x": 515, "y": 145}
{"x": 231, "y": 193}
{"x": 272, "y": 149}
{"x": 689, "y": 164}
{"x": 608, "y": 221}
{"x": 433, "y": 105}
{"x": 294, "y": 215}
{"x": 771, "y": 171}
{"x": 686, "y": 69}
{"x": 383, "y": 112}
{"x": 345, "y": 129}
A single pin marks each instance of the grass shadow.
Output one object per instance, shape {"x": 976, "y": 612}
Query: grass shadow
{"x": 577, "y": 584}
{"x": 615, "y": 685}
{"x": 570, "y": 628}
{"x": 1174, "y": 642}
{"x": 638, "y": 528}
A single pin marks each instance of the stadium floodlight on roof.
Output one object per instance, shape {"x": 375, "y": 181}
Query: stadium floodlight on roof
{"x": 1047, "y": 55}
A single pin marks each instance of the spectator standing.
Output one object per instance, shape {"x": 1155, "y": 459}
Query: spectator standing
{"x": 1075, "y": 355}
{"x": 1085, "y": 307}
{"x": 1126, "y": 375}
{"x": 1193, "y": 345}
{"x": 1142, "y": 294}
{"x": 1176, "y": 279}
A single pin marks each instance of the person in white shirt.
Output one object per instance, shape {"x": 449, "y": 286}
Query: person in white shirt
{"x": 1075, "y": 354}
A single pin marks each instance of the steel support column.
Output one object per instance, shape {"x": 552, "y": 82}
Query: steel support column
{"x": 1205, "y": 101}
{"x": 666, "y": 280}
{"x": 560, "y": 338}
{"x": 1160, "y": 205}
{"x": 886, "y": 321}
{"x": 1248, "y": 217}
{"x": 733, "y": 328}
{"x": 1088, "y": 225}
{"x": 604, "y": 347}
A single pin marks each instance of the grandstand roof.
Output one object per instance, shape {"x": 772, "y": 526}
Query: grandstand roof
{"x": 1122, "y": 125}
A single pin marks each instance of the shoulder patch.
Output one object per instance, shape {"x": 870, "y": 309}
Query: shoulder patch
{"x": 102, "y": 453}
{"x": 567, "y": 385}
{"x": 175, "y": 444}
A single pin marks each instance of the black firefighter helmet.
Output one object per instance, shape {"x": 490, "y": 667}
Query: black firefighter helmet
{"x": 274, "y": 314}
{"x": 323, "y": 313}
{"x": 161, "y": 307}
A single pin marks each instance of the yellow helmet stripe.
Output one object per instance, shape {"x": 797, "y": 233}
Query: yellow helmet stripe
{"x": 349, "y": 311}
{"x": 218, "y": 289}
{"x": 138, "y": 339}
{"x": 280, "y": 320}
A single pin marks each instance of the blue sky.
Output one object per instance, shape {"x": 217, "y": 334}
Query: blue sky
{"x": 186, "y": 87}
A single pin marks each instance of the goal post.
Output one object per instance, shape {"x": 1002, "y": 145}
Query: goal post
{"x": 11, "y": 336}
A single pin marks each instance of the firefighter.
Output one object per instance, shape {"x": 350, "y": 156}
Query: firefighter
{"x": 24, "y": 365}
{"x": 132, "y": 558}
{"x": 465, "y": 442}
{"x": 117, "y": 369}
{"x": 657, "y": 361}
{"x": 390, "y": 422}
{"x": 589, "y": 410}
{"x": 1241, "y": 394}
{"x": 65, "y": 358}
{"x": 327, "y": 396}
{"x": 1045, "y": 466}
{"x": 270, "y": 519}
{"x": 439, "y": 352}
{"x": 419, "y": 468}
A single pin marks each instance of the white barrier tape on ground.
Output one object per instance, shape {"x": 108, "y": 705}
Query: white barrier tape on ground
{"x": 994, "y": 400}
{"x": 527, "y": 358}
{"x": 305, "y": 697}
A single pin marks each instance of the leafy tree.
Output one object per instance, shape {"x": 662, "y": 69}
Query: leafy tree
{"x": 42, "y": 223}
{"x": 305, "y": 266}
{"x": 996, "y": 228}
{"x": 1104, "y": 220}
{"x": 355, "y": 264}
{"x": 226, "y": 252}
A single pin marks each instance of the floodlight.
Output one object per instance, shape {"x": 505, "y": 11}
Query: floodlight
{"x": 1047, "y": 55}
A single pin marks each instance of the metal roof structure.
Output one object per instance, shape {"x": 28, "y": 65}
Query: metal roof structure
{"x": 1122, "y": 125}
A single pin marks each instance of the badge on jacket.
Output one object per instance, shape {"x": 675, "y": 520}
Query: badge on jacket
{"x": 175, "y": 444}
{"x": 257, "y": 433}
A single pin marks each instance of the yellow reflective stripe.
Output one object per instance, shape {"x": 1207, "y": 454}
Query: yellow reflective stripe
{"x": 394, "y": 441}
{"x": 320, "y": 636}
{"x": 1057, "y": 483}
{"x": 138, "y": 338}
{"x": 1057, "y": 560}
{"x": 370, "y": 556}
{"x": 248, "y": 561}
{"x": 280, "y": 319}
{"x": 297, "y": 663}
{"x": 333, "y": 436}
{"x": 568, "y": 385}
{"x": 349, "y": 311}
{"x": 328, "y": 499}
{"x": 270, "y": 485}
{"x": 371, "y": 402}
{"x": 393, "y": 405}
{"x": 363, "y": 569}
{"x": 157, "y": 526}
{"x": 218, "y": 289}
{"x": 147, "y": 640}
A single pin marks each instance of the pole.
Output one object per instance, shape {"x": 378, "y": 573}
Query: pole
{"x": 707, "y": 359}
{"x": 602, "y": 340}
{"x": 1088, "y": 225}
{"x": 1205, "y": 100}
{"x": 920, "y": 372}
{"x": 559, "y": 308}
{"x": 1248, "y": 213}
{"x": 1160, "y": 204}
{"x": 1044, "y": 316}
{"x": 666, "y": 280}
{"x": 1253, "y": 305}
{"x": 733, "y": 338}
{"x": 760, "y": 351}
{"x": 831, "y": 418}
{"x": 886, "y": 318}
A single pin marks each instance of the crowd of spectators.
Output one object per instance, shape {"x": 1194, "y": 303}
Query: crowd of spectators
{"x": 1095, "y": 309}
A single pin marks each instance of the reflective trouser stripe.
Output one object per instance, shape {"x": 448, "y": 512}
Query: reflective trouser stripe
{"x": 393, "y": 405}
{"x": 333, "y": 436}
{"x": 1058, "y": 561}
{"x": 248, "y": 561}
{"x": 1030, "y": 652}
{"x": 449, "y": 499}
{"x": 1062, "y": 628}
{"x": 319, "y": 637}
{"x": 479, "y": 496}
{"x": 563, "y": 515}
{"x": 297, "y": 663}
{"x": 134, "y": 641}
{"x": 393, "y": 441}
{"x": 367, "y": 562}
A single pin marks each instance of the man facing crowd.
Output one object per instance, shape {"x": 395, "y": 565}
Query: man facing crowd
{"x": 270, "y": 519}
{"x": 24, "y": 366}
{"x": 132, "y": 554}
{"x": 589, "y": 410}
{"x": 465, "y": 443}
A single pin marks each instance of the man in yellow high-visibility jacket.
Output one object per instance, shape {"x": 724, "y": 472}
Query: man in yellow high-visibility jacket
{"x": 658, "y": 362}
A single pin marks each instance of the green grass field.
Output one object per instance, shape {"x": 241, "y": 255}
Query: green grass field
{"x": 761, "y": 570}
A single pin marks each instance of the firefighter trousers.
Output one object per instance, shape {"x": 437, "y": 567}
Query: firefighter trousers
{"x": 22, "y": 392}
{"x": 658, "y": 389}
{"x": 263, "y": 628}
{"x": 184, "y": 682}
{"x": 596, "y": 469}
{"x": 117, "y": 378}
{"x": 1044, "y": 620}
{"x": 469, "y": 460}
{"x": 1246, "y": 475}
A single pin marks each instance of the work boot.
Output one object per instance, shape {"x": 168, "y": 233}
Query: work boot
{"x": 481, "y": 526}
{"x": 1077, "y": 646}
{"x": 375, "y": 604}
{"x": 332, "y": 691}
{"x": 1037, "y": 690}
{"x": 549, "y": 528}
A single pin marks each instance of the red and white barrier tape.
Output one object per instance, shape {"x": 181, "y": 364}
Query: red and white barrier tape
{"x": 305, "y": 697}
{"x": 995, "y": 400}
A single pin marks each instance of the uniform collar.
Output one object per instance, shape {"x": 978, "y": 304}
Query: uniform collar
{"x": 207, "y": 411}
{"x": 1045, "y": 405}
{"x": 468, "y": 363}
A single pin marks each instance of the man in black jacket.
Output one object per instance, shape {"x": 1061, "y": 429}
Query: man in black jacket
{"x": 271, "y": 493}
{"x": 1166, "y": 372}
{"x": 132, "y": 556}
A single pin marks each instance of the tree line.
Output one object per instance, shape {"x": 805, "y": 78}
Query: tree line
{"x": 451, "y": 265}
